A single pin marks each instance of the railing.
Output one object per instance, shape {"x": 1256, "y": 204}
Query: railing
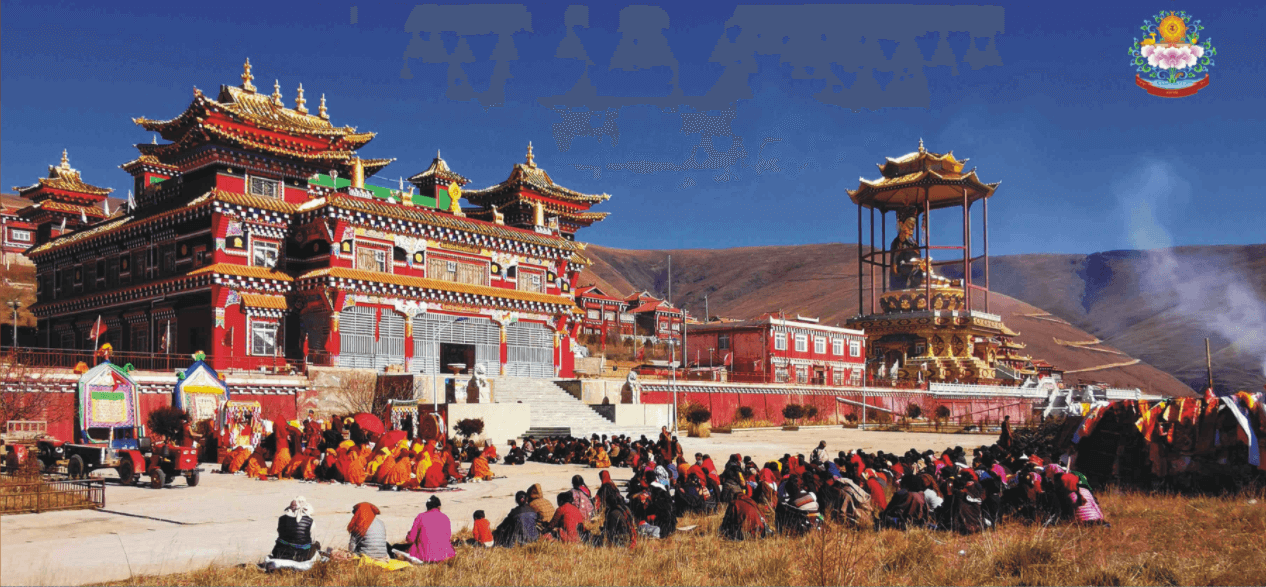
{"x": 29, "y": 494}
{"x": 32, "y": 357}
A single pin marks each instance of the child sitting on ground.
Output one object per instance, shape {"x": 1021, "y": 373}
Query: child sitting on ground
{"x": 483, "y": 530}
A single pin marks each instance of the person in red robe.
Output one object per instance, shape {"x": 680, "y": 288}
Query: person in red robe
{"x": 281, "y": 457}
{"x": 490, "y": 452}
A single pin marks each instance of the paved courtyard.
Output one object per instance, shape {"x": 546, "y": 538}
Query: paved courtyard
{"x": 233, "y": 519}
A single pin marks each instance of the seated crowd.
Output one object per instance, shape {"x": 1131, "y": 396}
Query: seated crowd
{"x": 793, "y": 495}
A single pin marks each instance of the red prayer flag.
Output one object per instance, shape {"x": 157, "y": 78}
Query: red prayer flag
{"x": 377, "y": 320}
{"x": 97, "y": 329}
{"x": 728, "y": 356}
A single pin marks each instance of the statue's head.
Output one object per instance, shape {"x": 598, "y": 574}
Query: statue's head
{"x": 480, "y": 371}
{"x": 632, "y": 378}
{"x": 907, "y": 222}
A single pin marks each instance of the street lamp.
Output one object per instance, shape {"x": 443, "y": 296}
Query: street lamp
{"x": 15, "y": 304}
{"x": 435, "y": 377}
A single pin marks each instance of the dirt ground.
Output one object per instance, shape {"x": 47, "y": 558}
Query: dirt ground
{"x": 232, "y": 519}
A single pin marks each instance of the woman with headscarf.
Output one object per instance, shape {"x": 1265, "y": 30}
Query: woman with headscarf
{"x": 607, "y": 487}
{"x": 431, "y": 537}
{"x": 582, "y": 498}
{"x": 654, "y": 506}
{"x": 619, "y": 528}
{"x": 294, "y": 533}
{"x": 544, "y": 509}
{"x": 368, "y": 533}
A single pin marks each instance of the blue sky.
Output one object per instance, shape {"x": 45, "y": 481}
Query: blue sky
{"x": 705, "y": 135}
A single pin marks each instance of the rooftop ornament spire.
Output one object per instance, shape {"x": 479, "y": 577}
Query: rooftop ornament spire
{"x": 321, "y": 110}
{"x": 300, "y": 102}
{"x": 277, "y": 92}
{"x": 247, "y": 77}
{"x": 531, "y": 162}
{"x": 921, "y": 145}
{"x": 65, "y": 160}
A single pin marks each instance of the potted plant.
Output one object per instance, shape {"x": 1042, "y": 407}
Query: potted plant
{"x": 792, "y": 412}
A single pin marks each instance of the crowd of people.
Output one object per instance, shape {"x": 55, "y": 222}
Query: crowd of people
{"x": 346, "y": 454}
{"x": 953, "y": 491}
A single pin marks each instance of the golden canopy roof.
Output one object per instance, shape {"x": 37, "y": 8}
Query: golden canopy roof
{"x": 912, "y": 178}
{"x": 63, "y": 177}
{"x": 529, "y": 176}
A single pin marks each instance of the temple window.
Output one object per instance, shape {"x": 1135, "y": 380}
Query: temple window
{"x": 802, "y": 374}
{"x": 819, "y": 345}
{"x": 837, "y": 347}
{"x": 20, "y": 236}
{"x": 780, "y": 341}
{"x": 457, "y": 270}
{"x": 260, "y": 186}
{"x": 264, "y": 253}
{"x": 530, "y": 280}
{"x": 626, "y": 317}
{"x": 140, "y": 338}
{"x": 802, "y": 343}
{"x": 723, "y": 342}
{"x": 370, "y": 259}
{"x": 780, "y": 375}
{"x": 854, "y": 348}
{"x": 595, "y": 315}
{"x": 263, "y": 338}
{"x": 837, "y": 377}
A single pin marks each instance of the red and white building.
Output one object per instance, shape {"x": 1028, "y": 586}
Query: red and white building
{"x": 18, "y": 233}
{"x": 655, "y": 318}
{"x": 777, "y": 349}
{"x": 603, "y": 314}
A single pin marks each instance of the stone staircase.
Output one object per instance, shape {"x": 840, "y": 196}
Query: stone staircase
{"x": 553, "y": 408}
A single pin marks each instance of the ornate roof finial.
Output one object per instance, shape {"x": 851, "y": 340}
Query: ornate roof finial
{"x": 530, "y": 160}
{"x": 65, "y": 160}
{"x": 153, "y": 139}
{"x": 277, "y": 92}
{"x": 321, "y": 111}
{"x": 921, "y": 144}
{"x": 299, "y": 102}
{"x": 437, "y": 153}
{"x": 247, "y": 77}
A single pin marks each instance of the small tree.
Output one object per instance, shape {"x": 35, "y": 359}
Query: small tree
{"x": 697, "y": 414}
{"x": 811, "y": 412}
{"x": 793, "y": 412}
{"x": 942, "y": 413}
{"x": 745, "y": 413}
{"x": 914, "y": 411}
{"x": 470, "y": 427}
{"x": 356, "y": 393}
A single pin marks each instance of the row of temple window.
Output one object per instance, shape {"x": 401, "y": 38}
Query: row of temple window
{"x": 819, "y": 345}
{"x": 783, "y": 375}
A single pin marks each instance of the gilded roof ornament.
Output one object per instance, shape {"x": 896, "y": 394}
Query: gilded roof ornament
{"x": 277, "y": 92}
{"x": 530, "y": 160}
{"x": 247, "y": 77}
{"x": 321, "y": 110}
{"x": 300, "y": 102}
{"x": 921, "y": 150}
{"x": 65, "y": 160}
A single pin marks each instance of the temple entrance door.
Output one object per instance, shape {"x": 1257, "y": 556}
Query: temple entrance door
{"x": 356, "y": 337}
{"x": 389, "y": 348}
{"x": 529, "y": 350}
{"x": 451, "y": 353}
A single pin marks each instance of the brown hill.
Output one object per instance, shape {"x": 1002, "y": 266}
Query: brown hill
{"x": 820, "y": 280}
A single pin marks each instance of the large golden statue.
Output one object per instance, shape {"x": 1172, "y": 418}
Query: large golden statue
{"x": 909, "y": 269}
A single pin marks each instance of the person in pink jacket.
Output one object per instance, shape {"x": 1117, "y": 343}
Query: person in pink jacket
{"x": 431, "y": 538}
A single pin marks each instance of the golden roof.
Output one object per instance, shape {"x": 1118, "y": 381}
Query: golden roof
{"x": 73, "y": 209}
{"x": 580, "y": 259}
{"x": 144, "y": 159}
{"x": 255, "y": 109}
{"x": 251, "y": 300}
{"x": 433, "y": 218}
{"x": 242, "y": 271}
{"x": 429, "y": 283}
{"x": 922, "y": 175}
{"x": 529, "y": 176}
{"x": 438, "y": 170}
{"x": 62, "y": 177}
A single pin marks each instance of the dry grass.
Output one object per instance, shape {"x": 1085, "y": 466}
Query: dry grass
{"x": 1154, "y": 540}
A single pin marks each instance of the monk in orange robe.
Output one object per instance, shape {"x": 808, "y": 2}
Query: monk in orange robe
{"x": 256, "y": 467}
{"x": 355, "y": 470}
{"x": 479, "y": 469}
{"x": 398, "y": 473}
{"x": 387, "y": 462}
{"x": 234, "y": 461}
{"x": 435, "y": 476}
{"x": 490, "y": 451}
{"x": 294, "y": 469}
{"x": 281, "y": 458}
